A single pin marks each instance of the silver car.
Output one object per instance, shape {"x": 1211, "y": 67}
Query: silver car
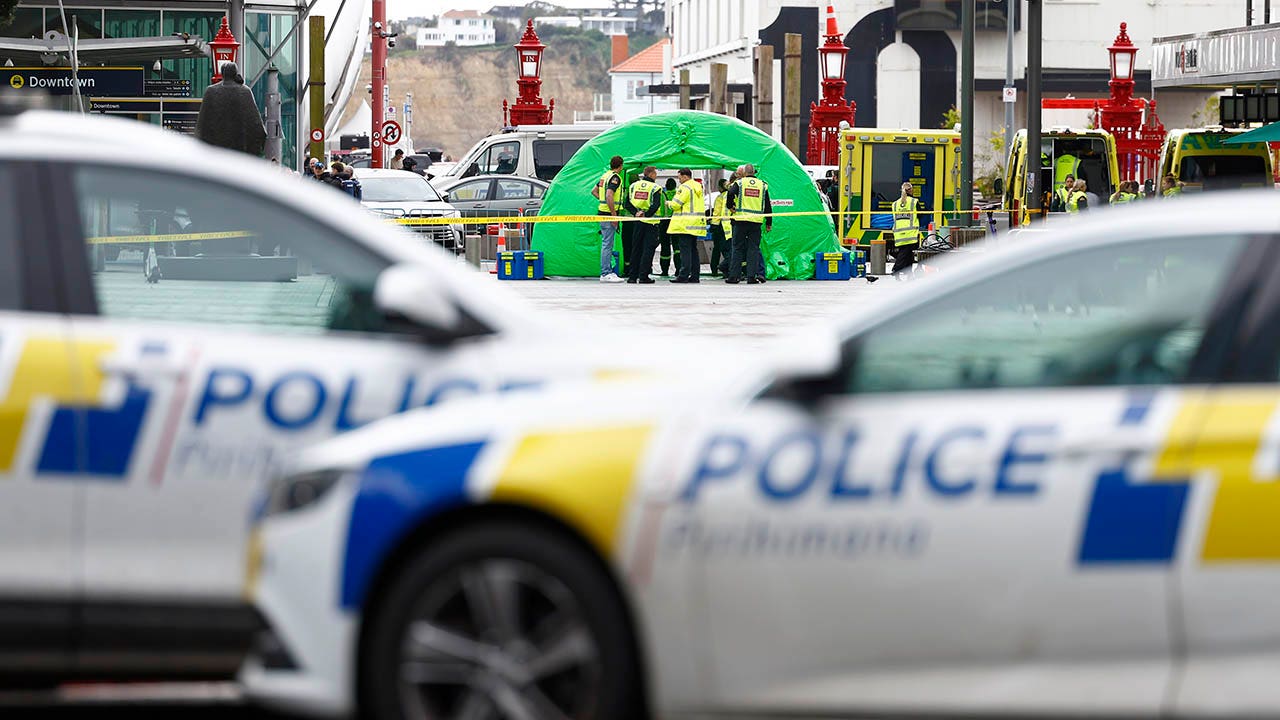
{"x": 402, "y": 194}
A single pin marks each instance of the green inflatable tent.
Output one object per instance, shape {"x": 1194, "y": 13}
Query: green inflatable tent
{"x": 696, "y": 140}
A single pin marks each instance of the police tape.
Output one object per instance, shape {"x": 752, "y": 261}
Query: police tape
{"x": 179, "y": 237}
{"x": 539, "y": 219}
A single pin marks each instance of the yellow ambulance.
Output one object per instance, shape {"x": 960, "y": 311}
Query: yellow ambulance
{"x": 1084, "y": 154}
{"x": 875, "y": 162}
{"x": 1200, "y": 160}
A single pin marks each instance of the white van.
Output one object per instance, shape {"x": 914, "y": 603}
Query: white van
{"x": 530, "y": 151}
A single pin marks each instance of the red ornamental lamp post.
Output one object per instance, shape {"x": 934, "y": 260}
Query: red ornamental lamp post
{"x": 1138, "y": 139}
{"x": 225, "y": 48}
{"x": 825, "y": 117}
{"x": 528, "y": 108}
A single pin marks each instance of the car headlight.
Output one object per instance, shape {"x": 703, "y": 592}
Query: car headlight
{"x": 300, "y": 490}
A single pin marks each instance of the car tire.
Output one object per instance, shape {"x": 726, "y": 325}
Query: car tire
{"x": 427, "y": 655}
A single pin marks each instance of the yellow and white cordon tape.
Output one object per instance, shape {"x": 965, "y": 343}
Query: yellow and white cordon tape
{"x": 180, "y": 237}
{"x": 535, "y": 219}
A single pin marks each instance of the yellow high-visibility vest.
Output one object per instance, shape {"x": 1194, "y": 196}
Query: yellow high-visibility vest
{"x": 603, "y": 187}
{"x": 906, "y": 230}
{"x": 718, "y": 210}
{"x": 642, "y": 194}
{"x": 688, "y": 204}
{"x": 751, "y": 192}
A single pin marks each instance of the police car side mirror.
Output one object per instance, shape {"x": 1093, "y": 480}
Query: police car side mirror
{"x": 409, "y": 292}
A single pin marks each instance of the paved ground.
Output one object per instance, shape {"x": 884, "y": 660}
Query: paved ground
{"x": 750, "y": 313}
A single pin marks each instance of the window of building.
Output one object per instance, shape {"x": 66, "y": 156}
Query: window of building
{"x": 27, "y": 23}
{"x": 130, "y": 23}
{"x": 87, "y": 20}
{"x": 632, "y": 87}
{"x": 270, "y": 30}
{"x": 203, "y": 24}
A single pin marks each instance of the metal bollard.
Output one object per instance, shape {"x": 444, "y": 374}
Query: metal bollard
{"x": 471, "y": 246}
{"x": 878, "y": 258}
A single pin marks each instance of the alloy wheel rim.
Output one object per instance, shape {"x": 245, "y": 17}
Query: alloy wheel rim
{"x": 498, "y": 639}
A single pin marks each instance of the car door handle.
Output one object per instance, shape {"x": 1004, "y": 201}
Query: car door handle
{"x": 132, "y": 367}
{"x": 478, "y": 205}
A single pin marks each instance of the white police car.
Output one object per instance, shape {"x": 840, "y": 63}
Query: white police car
{"x": 146, "y": 392}
{"x": 1043, "y": 481}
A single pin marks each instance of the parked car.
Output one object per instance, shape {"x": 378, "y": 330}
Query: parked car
{"x": 485, "y": 194}
{"x": 402, "y": 194}
{"x": 440, "y": 169}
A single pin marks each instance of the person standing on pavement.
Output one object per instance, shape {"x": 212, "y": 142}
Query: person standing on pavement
{"x": 606, "y": 192}
{"x": 688, "y": 223}
{"x": 748, "y": 202}
{"x": 906, "y": 230}
{"x": 719, "y": 238}
{"x": 397, "y": 162}
{"x": 643, "y": 198}
{"x": 664, "y": 229}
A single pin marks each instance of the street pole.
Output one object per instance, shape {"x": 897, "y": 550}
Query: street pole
{"x": 966, "y": 110}
{"x": 1011, "y": 9}
{"x": 791, "y": 67}
{"x": 408, "y": 119}
{"x": 315, "y": 83}
{"x": 235, "y": 19}
{"x": 1035, "y": 22}
{"x": 275, "y": 136}
{"x": 379, "y": 78}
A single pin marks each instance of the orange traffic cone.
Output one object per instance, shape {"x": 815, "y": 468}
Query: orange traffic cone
{"x": 501, "y": 248}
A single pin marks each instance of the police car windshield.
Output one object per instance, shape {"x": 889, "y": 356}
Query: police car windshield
{"x": 410, "y": 188}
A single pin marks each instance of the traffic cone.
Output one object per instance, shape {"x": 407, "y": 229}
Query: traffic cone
{"x": 501, "y": 248}
{"x": 831, "y": 21}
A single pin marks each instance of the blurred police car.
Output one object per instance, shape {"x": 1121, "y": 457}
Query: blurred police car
{"x": 144, "y": 393}
{"x": 1043, "y": 481}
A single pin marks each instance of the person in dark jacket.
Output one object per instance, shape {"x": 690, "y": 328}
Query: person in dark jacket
{"x": 229, "y": 117}
{"x": 319, "y": 173}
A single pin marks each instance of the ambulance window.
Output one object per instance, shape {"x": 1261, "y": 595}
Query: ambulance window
{"x": 1225, "y": 172}
{"x": 168, "y": 247}
{"x": 1131, "y": 314}
{"x": 892, "y": 165}
{"x": 10, "y": 244}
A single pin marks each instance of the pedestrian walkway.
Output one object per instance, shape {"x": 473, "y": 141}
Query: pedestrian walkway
{"x": 753, "y": 314}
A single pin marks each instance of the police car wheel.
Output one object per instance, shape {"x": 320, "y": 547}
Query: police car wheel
{"x": 500, "y": 622}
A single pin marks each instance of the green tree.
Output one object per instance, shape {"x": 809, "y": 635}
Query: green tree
{"x": 6, "y": 12}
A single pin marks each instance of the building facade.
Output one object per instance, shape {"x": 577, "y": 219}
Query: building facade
{"x": 460, "y": 27}
{"x": 268, "y": 38}
{"x": 629, "y": 77}
{"x": 609, "y": 24}
{"x": 904, "y": 55}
